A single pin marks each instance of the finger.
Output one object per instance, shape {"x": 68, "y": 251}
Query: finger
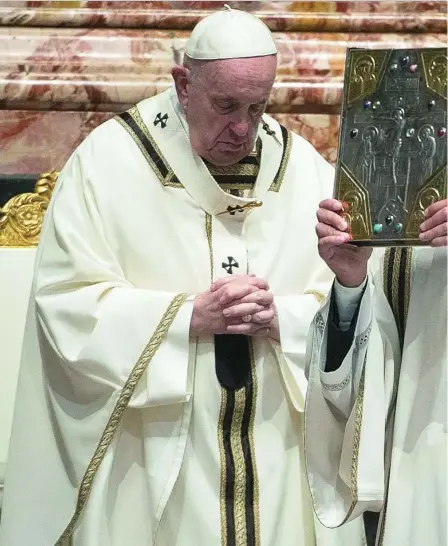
{"x": 332, "y": 219}
{"x": 333, "y": 205}
{"x": 435, "y": 207}
{"x": 242, "y": 309}
{"x": 235, "y": 291}
{"x": 439, "y": 217}
{"x": 245, "y": 329}
{"x": 438, "y": 231}
{"x": 248, "y": 279}
{"x": 262, "y": 297}
{"x": 324, "y": 230}
{"x": 219, "y": 283}
{"x": 440, "y": 241}
{"x": 334, "y": 240}
{"x": 263, "y": 317}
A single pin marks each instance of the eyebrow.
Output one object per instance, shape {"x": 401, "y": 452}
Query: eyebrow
{"x": 224, "y": 98}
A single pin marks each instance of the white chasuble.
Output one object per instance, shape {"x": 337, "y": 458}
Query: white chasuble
{"x": 383, "y": 413}
{"x": 124, "y": 433}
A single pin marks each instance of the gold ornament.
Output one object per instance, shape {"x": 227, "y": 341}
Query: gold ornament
{"x": 22, "y": 216}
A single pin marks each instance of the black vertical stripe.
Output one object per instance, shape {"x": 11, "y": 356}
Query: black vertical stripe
{"x": 148, "y": 145}
{"x": 245, "y": 438}
{"x": 233, "y": 368}
{"x": 390, "y": 270}
{"x": 230, "y": 468}
{"x": 400, "y": 285}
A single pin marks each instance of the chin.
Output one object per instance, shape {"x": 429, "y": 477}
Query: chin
{"x": 225, "y": 159}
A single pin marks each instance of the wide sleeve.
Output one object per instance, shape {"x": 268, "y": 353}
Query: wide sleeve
{"x": 296, "y": 311}
{"x": 347, "y": 409}
{"x": 101, "y": 330}
{"x": 295, "y": 314}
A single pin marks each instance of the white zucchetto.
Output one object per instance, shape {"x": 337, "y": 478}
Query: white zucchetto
{"x": 230, "y": 34}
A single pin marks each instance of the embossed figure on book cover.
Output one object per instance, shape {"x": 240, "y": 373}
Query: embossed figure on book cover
{"x": 392, "y": 157}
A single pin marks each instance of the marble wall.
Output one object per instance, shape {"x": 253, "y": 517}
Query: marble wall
{"x": 67, "y": 66}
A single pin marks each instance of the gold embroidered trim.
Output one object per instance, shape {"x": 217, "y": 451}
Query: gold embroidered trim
{"x": 240, "y": 468}
{"x": 238, "y": 169}
{"x": 276, "y": 184}
{"x": 407, "y": 284}
{"x": 209, "y": 232}
{"x": 396, "y": 255}
{"x": 164, "y": 180}
{"x": 118, "y": 411}
{"x": 356, "y": 444}
{"x": 21, "y": 218}
{"x": 256, "y": 506}
{"x": 392, "y": 259}
{"x": 222, "y": 457}
{"x": 320, "y": 296}
{"x": 359, "y": 405}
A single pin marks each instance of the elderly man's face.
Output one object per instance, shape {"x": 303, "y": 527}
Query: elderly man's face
{"x": 224, "y": 104}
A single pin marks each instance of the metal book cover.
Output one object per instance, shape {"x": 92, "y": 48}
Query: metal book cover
{"x": 392, "y": 156}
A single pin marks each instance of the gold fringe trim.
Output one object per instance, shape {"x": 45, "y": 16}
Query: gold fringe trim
{"x": 117, "y": 413}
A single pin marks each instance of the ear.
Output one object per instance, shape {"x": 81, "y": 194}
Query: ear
{"x": 180, "y": 76}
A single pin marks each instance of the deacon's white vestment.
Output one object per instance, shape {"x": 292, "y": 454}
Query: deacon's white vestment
{"x": 123, "y": 434}
{"x": 378, "y": 385}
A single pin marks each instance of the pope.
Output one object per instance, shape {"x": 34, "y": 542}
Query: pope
{"x": 162, "y": 386}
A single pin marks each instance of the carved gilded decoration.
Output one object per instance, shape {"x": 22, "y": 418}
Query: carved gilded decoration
{"x": 21, "y": 218}
{"x": 365, "y": 71}
{"x": 356, "y": 198}
{"x": 435, "y": 71}
{"x": 434, "y": 190}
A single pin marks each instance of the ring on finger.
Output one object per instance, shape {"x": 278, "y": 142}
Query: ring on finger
{"x": 247, "y": 318}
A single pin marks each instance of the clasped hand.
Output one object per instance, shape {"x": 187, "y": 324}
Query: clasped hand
{"x": 235, "y": 305}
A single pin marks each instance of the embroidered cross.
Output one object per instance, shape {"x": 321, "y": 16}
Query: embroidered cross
{"x": 229, "y": 267}
{"x": 161, "y": 119}
{"x": 232, "y": 210}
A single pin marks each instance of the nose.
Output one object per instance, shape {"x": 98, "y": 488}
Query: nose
{"x": 241, "y": 128}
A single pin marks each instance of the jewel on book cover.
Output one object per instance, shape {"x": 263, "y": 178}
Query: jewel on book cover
{"x": 378, "y": 228}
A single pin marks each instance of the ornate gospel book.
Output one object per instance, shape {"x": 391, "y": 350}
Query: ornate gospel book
{"x": 392, "y": 156}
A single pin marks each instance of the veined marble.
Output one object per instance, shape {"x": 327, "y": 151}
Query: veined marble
{"x": 361, "y": 16}
{"x": 111, "y": 69}
{"x": 66, "y": 66}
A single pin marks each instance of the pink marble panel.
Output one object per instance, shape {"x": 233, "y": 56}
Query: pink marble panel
{"x": 319, "y": 129}
{"x": 340, "y": 16}
{"x": 108, "y": 70}
{"x": 34, "y": 142}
